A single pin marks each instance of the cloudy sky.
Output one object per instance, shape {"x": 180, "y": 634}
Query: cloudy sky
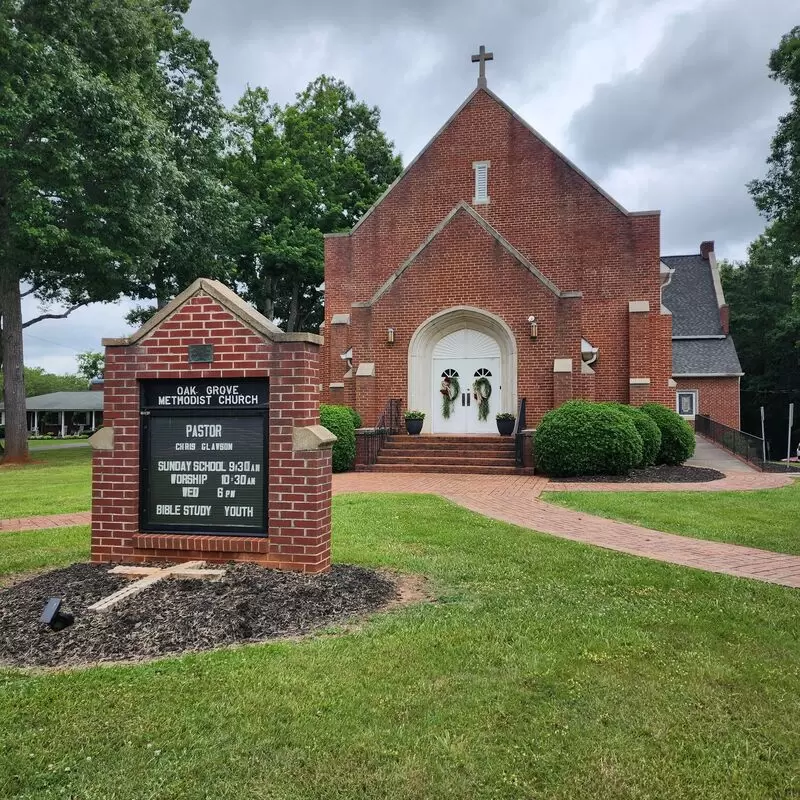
{"x": 667, "y": 104}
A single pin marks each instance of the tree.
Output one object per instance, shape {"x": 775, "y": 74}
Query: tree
{"x": 38, "y": 381}
{"x": 299, "y": 171}
{"x": 90, "y": 365}
{"x": 778, "y": 195}
{"x": 84, "y": 159}
{"x": 197, "y": 200}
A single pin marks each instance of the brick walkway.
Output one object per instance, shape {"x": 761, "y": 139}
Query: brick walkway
{"x": 40, "y": 523}
{"x": 516, "y": 499}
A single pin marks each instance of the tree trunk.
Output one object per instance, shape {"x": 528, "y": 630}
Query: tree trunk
{"x": 294, "y": 308}
{"x": 13, "y": 385}
{"x": 270, "y": 286}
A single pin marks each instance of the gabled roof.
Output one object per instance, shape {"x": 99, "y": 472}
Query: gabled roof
{"x": 691, "y": 297}
{"x": 65, "y": 401}
{"x": 526, "y": 125}
{"x": 465, "y": 208}
{"x": 698, "y": 357}
{"x": 230, "y": 301}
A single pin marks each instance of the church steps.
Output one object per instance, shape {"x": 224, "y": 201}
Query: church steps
{"x": 449, "y": 470}
{"x": 433, "y": 460}
{"x": 481, "y": 455}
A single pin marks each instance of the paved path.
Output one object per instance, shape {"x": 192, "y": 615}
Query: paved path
{"x": 516, "y": 500}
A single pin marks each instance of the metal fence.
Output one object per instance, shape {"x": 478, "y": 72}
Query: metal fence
{"x": 748, "y": 447}
{"x": 369, "y": 441}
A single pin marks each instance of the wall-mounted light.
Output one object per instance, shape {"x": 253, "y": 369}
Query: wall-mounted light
{"x": 534, "y": 326}
{"x": 390, "y": 336}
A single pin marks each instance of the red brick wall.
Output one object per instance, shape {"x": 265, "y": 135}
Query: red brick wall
{"x": 299, "y": 482}
{"x": 717, "y": 398}
{"x": 551, "y": 214}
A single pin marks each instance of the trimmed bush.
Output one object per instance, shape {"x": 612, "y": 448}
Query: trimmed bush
{"x": 582, "y": 438}
{"x": 677, "y": 436}
{"x": 339, "y": 421}
{"x": 356, "y": 417}
{"x": 647, "y": 429}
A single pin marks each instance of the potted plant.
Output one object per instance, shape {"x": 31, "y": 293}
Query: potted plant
{"x": 505, "y": 423}
{"x": 414, "y": 420}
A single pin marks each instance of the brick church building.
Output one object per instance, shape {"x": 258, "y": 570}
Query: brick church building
{"x": 493, "y": 256}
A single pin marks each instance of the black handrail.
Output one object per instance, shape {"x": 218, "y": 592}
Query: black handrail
{"x": 371, "y": 440}
{"x": 748, "y": 447}
{"x": 519, "y": 439}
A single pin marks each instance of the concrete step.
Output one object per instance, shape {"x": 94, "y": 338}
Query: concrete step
{"x": 449, "y": 470}
{"x": 445, "y": 448}
{"x": 438, "y": 460}
{"x": 443, "y": 438}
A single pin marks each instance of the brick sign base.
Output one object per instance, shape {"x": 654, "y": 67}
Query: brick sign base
{"x": 203, "y": 342}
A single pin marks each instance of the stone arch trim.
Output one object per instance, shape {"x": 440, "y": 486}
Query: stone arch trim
{"x": 424, "y": 339}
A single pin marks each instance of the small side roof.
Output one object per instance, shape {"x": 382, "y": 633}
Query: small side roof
{"x": 699, "y": 357}
{"x": 65, "y": 401}
{"x": 691, "y": 297}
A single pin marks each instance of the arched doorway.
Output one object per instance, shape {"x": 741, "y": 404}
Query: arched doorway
{"x": 467, "y": 344}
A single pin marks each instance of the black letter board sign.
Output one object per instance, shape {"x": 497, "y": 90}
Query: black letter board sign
{"x": 204, "y": 456}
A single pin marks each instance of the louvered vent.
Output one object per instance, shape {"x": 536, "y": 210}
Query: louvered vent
{"x": 481, "y": 182}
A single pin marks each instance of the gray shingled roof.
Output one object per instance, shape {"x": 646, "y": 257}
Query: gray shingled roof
{"x": 705, "y": 357}
{"x": 65, "y": 401}
{"x": 691, "y": 298}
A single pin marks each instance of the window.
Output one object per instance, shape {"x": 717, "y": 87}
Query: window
{"x": 687, "y": 403}
{"x": 481, "y": 182}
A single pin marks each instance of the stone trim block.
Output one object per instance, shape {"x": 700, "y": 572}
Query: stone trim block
{"x": 102, "y": 439}
{"x": 562, "y": 365}
{"x": 638, "y": 306}
{"x": 312, "y": 437}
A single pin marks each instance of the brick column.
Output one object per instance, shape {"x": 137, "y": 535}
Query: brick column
{"x": 562, "y": 381}
{"x": 638, "y": 351}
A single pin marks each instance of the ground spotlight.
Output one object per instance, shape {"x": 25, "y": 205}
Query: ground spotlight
{"x": 54, "y": 619}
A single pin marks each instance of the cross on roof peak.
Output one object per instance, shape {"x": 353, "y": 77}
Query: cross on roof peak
{"x": 482, "y": 57}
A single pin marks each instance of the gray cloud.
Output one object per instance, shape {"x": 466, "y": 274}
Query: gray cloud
{"x": 704, "y": 84}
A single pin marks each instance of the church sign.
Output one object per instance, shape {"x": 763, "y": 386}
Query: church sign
{"x": 204, "y": 456}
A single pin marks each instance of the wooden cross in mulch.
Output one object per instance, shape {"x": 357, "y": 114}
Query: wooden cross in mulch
{"x": 151, "y": 575}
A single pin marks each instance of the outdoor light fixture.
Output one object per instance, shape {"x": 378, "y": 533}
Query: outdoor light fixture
{"x": 53, "y": 618}
{"x": 534, "y": 326}
{"x": 390, "y": 336}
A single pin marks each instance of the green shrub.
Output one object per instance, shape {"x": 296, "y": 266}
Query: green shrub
{"x": 356, "y": 417}
{"x": 339, "y": 421}
{"x": 581, "y": 438}
{"x": 677, "y": 436}
{"x": 647, "y": 429}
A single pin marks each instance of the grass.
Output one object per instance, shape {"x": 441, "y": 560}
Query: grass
{"x": 768, "y": 519}
{"x": 547, "y": 669}
{"x": 33, "y": 550}
{"x": 35, "y": 444}
{"x": 56, "y": 482}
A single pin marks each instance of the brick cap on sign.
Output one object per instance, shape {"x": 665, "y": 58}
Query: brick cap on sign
{"x": 366, "y": 369}
{"x": 493, "y": 232}
{"x": 562, "y": 365}
{"x": 230, "y": 301}
{"x": 102, "y": 439}
{"x": 638, "y": 306}
{"x": 312, "y": 437}
{"x": 530, "y": 128}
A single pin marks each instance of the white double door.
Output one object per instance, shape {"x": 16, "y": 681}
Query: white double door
{"x": 465, "y": 356}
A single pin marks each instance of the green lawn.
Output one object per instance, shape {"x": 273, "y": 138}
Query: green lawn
{"x": 35, "y": 444}
{"x": 546, "y": 669}
{"x": 57, "y": 482}
{"x": 768, "y": 519}
{"x": 32, "y": 550}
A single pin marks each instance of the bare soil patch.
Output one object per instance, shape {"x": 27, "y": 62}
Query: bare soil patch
{"x": 250, "y": 604}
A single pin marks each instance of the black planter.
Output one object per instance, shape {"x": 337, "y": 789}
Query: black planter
{"x": 505, "y": 427}
{"x": 414, "y": 426}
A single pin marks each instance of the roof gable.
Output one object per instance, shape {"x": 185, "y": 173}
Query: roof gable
{"x": 522, "y": 122}
{"x": 464, "y": 208}
{"x": 230, "y": 301}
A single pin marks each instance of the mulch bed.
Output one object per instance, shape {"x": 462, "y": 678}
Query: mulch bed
{"x": 660, "y": 474}
{"x": 249, "y": 604}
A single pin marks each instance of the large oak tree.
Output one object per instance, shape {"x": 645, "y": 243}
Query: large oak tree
{"x": 85, "y": 159}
